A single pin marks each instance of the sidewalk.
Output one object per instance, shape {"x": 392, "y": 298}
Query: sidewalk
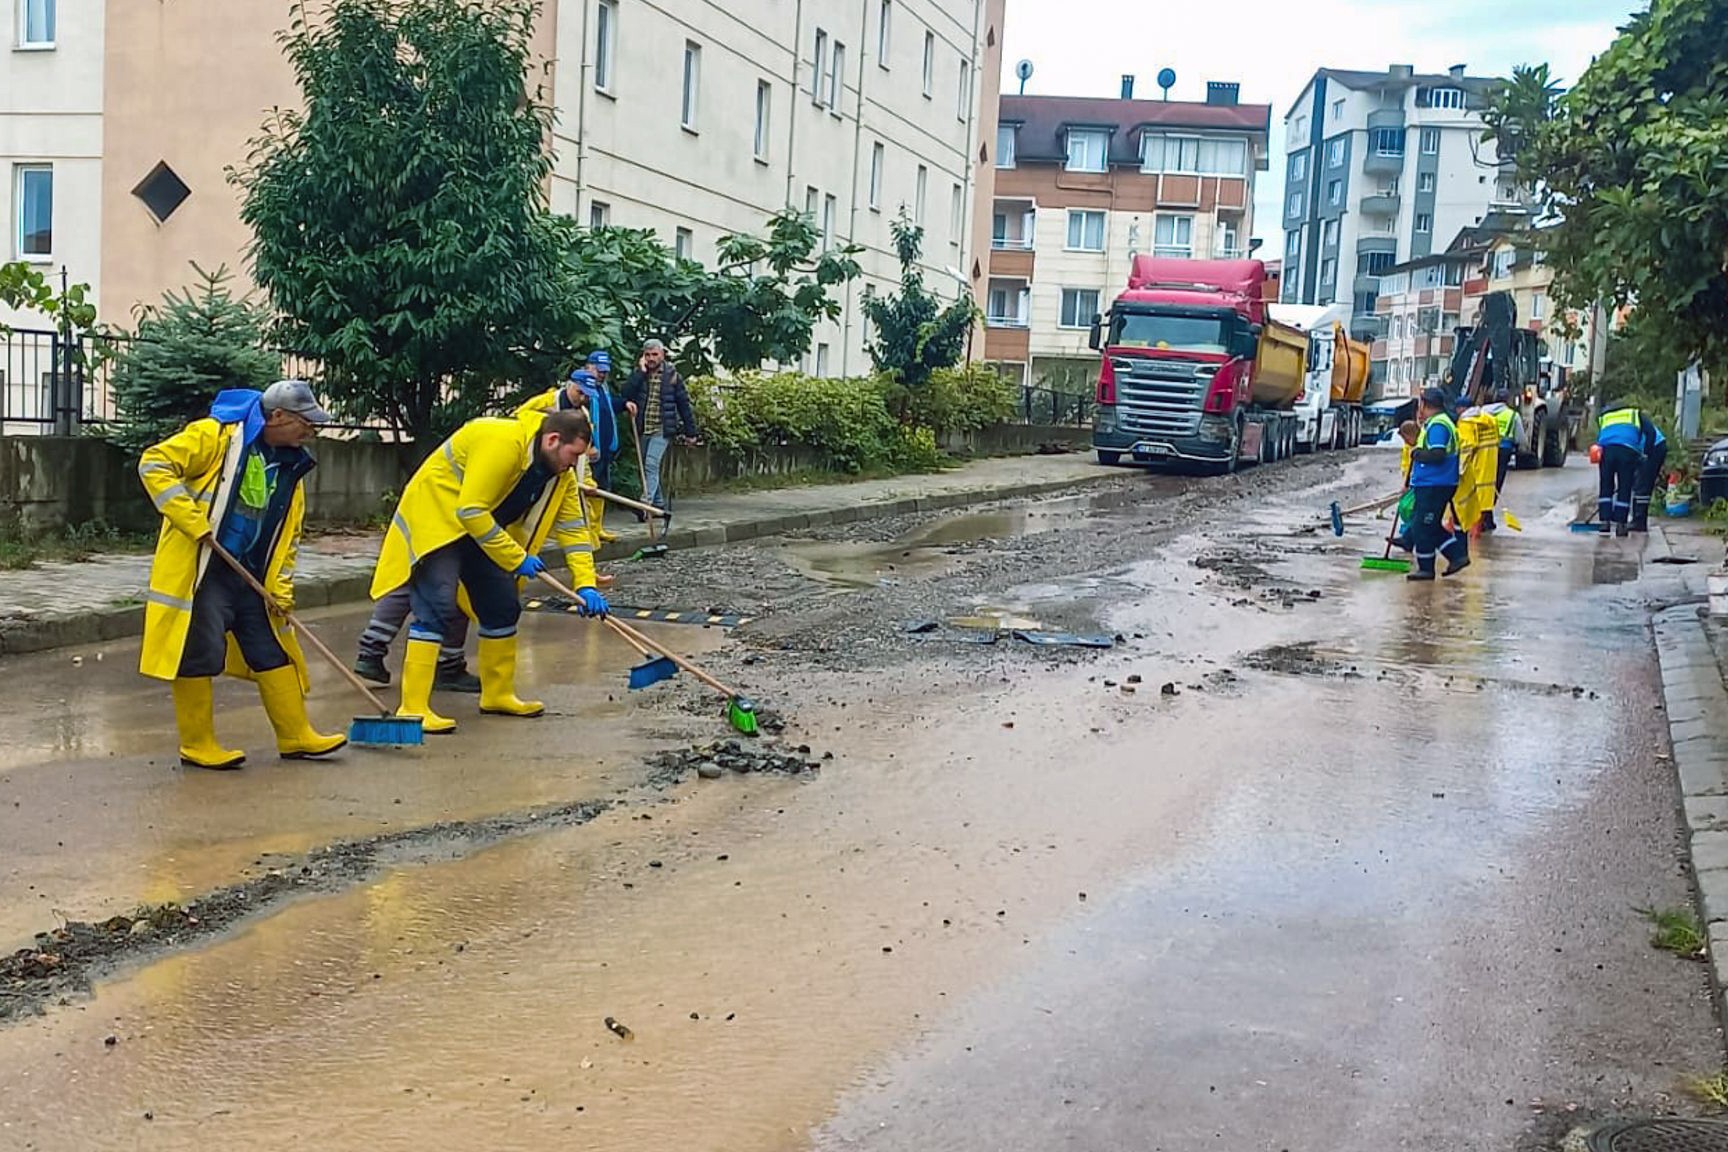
{"x": 56, "y": 605}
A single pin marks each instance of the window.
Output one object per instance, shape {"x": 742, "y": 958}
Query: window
{"x": 683, "y": 243}
{"x": 811, "y": 196}
{"x": 1194, "y": 155}
{"x": 1365, "y": 303}
{"x": 1079, "y": 305}
{"x": 1335, "y": 193}
{"x": 963, "y": 90}
{"x": 1000, "y": 305}
{"x": 1503, "y": 263}
{"x": 919, "y": 190}
{"x": 1228, "y": 239}
{"x": 837, "y": 77}
{"x": 878, "y": 155}
{"x": 36, "y": 23}
{"x": 1389, "y": 186}
{"x": 883, "y": 22}
{"x": 35, "y": 200}
{"x": 1300, "y": 132}
{"x": 1337, "y": 110}
{"x": 1328, "y": 270}
{"x": 1424, "y": 222}
{"x": 599, "y": 214}
{"x": 1173, "y": 236}
{"x": 1086, "y": 151}
{"x": 1292, "y": 249}
{"x": 1293, "y": 207}
{"x": 1086, "y": 231}
{"x": 1425, "y": 182}
{"x": 956, "y": 216}
{"x": 1005, "y": 139}
{"x": 764, "y": 108}
{"x": 1430, "y": 141}
{"x": 1388, "y": 141}
{"x": 1329, "y": 236}
{"x": 1335, "y": 152}
{"x": 1379, "y": 263}
{"x": 821, "y": 359}
{"x": 162, "y": 192}
{"x": 929, "y": 63}
{"x": 1446, "y": 98}
{"x": 828, "y": 209}
{"x": 692, "y": 83}
{"x": 605, "y": 43}
{"x": 819, "y": 68}
{"x": 1299, "y": 166}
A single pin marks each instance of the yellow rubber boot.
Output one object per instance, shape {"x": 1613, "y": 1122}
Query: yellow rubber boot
{"x": 597, "y": 517}
{"x": 195, "y": 716}
{"x": 497, "y": 659}
{"x": 419, "y": 670}
{"x": 285, "y": 704}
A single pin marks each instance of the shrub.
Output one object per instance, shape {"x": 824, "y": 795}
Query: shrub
{"x": 845, "y": 420}
{"x": 962, "y": 399}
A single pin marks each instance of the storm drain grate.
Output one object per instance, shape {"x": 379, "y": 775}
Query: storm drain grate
{"x": 1660, "y": 1136}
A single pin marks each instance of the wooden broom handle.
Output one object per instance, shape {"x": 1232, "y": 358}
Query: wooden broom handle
{"x": 640, "y": 641}
{"x": 306, "y": 633}
{"x": 623, "y": 501}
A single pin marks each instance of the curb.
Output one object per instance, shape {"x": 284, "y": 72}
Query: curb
{"x": 1697, "y": 705}
{"x": 101, "y": 625}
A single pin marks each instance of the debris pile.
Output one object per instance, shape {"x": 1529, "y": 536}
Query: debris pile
{"x": 711, "y": 761}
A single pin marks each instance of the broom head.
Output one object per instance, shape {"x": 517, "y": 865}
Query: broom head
{"x": 386, "y": 731}
{"x": 650, "y": 552}
{"x": 741, "y": 714}
{"x": 651, "y": 673}
{"x": 1337, "y": 519}
{"x": 1385, "y": 564}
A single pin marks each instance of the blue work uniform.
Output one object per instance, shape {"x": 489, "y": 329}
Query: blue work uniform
{"x": 1626, "y": 437}
{"x": 1434, "y": 481}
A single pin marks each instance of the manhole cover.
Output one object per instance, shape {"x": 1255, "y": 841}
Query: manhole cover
{"x": 1674, "y": 560}
{"x": 1660, "y": 1136}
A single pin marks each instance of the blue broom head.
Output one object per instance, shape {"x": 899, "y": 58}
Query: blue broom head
{"x": 651, "y": 673}
{"x": 1337, "y": 520}
{"x": 386, "y": 731}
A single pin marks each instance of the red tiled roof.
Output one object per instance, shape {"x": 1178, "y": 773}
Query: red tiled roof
{"x": 1043, "y": 119}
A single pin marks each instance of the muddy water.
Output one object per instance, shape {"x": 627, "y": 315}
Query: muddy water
{"x": 96, "y": 816}
{"x": 1022, "y": 908}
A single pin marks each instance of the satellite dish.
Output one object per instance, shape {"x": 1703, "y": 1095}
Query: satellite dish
{"x": 1167, "y": 80}
{"x": 1024, "y": 71}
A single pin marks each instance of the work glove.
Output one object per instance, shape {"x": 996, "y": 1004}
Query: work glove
{"x": 530, "y": 567}
{"x": 593, "y": 604}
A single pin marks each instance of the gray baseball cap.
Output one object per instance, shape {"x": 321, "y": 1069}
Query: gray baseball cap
{"x": 295, "y": 396}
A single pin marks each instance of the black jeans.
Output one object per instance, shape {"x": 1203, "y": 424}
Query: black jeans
{"x": 1428, "y": 530}
{"x": 491, "y": 593}
{"x": 224, "y": 604}
{"x": 1502, "y": 466}
{"x": 1616, "y": 476}
{"x": 1646, "y": 484}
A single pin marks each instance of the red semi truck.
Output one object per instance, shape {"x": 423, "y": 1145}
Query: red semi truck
{"x": 1194, "y": 371}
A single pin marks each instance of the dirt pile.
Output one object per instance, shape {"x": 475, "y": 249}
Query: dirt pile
{"x": 712, "y": 761}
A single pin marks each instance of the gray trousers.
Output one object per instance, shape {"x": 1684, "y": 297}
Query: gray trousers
{"x": 388, "y": 617}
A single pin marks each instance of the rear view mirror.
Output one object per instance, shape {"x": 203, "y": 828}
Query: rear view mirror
{"x": 1095, "y": 337}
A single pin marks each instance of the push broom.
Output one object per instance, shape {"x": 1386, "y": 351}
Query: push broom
{"x": 1384, "y": 562}
{"x": 740, "y": 710}
{"x": 385, "y": 730}
{"x": 656, "y": 548}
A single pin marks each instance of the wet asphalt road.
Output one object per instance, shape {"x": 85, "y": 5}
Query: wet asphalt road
{"x": 1367, "y": 881}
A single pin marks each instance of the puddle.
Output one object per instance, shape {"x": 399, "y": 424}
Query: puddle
{"x": 1613, "y": 570}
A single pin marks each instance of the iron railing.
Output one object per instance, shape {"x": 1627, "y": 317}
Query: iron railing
{"x": 1040, "y": 405}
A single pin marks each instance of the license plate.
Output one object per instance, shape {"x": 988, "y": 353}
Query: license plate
{"x": 1145, "y": 449}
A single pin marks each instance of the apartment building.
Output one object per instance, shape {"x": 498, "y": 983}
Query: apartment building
{"x": 118, "y": 122}
{"x": 1382, "y": 168}
{"x": 1084, "y": 185}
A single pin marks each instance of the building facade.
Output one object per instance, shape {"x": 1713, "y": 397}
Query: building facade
{"x": 120, "y": 120}
{"x": 1382, "y": 168}
{"x": 1084, "y": 185}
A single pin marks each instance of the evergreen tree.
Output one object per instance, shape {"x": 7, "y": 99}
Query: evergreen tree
{"x": 914, "y": 332}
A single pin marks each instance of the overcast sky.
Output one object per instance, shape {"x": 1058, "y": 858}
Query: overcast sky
{"x": 1272, "y": 47}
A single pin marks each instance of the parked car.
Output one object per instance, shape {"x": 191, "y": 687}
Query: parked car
{"x": 1713, "y": 474}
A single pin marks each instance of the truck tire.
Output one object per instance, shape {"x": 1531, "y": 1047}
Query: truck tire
{"x": 1356, "y": 429}
{"x": 1555, "y": 447}
{"x": 1109, "y": 459}
{"x": 1538, "y": 434}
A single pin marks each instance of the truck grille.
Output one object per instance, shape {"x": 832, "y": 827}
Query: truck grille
{"x": 1158, "y": 397}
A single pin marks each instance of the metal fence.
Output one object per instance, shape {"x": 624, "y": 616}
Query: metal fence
{"x": 43, "y": 381}
{"x": 1040, "y": 405}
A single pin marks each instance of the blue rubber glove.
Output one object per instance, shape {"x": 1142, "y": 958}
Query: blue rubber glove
{"x": 593, "y": 604}
{"x": 530, "y": 567}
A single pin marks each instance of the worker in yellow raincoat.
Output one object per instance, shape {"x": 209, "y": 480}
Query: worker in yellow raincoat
{"x": 1478, "y": 468}
{"x": 587, "y": 391}
{"x": 471, "y": 523}
{"x": 234, "y": 477}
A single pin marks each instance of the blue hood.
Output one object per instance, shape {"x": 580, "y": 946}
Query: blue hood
{"x": 240, "y": 406}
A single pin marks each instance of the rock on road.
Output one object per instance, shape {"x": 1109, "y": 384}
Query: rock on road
{"x": 1364, "y": 880}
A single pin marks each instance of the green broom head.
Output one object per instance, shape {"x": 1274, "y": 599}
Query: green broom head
{"x": 1389, "y": 564}
{"x": 741, "y": 714}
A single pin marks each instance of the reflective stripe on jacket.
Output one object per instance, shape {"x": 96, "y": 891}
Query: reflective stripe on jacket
{"x": 454, "y": 491}
{"x": 1503, "y": 419}
{"x": 1622, "y": 426}
{"x": 190, "y": 478}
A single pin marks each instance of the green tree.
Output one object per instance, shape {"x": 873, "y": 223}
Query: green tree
{"x": 196, "y": 343}
{"x": 914, "y": 332}
{"x": 1632, "y": 162}
{"x": 400, "y": 222}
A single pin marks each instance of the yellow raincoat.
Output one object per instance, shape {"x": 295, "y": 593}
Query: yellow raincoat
{"x": 188, "y": 475}
{"x": 454, "y": 492}
{"x": 1478, "y": 465}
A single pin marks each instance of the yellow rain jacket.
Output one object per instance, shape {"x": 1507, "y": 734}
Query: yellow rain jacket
{"x": 1478, "y": 465}
{"x": 548, "y": 402}
{"x": 454, "y": 492}
{"x": 188, "y": 475}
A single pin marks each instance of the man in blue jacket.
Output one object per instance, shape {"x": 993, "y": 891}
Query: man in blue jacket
{"x": 1626, "y": 437}
{"x": 659, "y": 403}
{"x": 1645, "y": 486}
{"x": 1434, "y": 482}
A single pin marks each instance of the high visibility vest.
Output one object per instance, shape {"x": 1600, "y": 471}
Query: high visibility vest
{"x": 1620, "y": 416}
{"x": 1423, "y": 475}
{"x": 1503, "y": 421}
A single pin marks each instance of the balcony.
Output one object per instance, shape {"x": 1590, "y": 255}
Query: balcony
{"x": 1381, "y": 204}
{"x": 1011, "y": 262}
{"x": 1378, "y": 164}
{"x": 1364, "y": 284}
{"x": 1392, "y": 118}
